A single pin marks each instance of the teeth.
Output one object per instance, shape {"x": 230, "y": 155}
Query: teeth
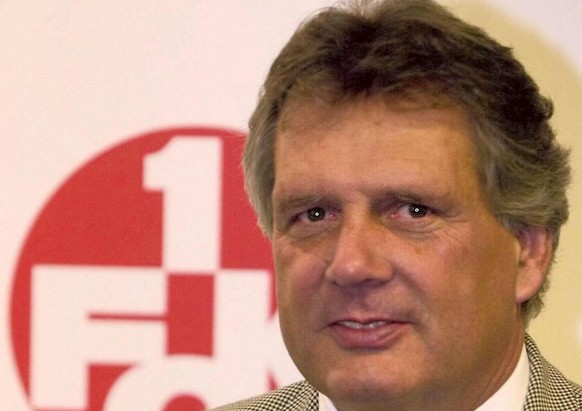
{"x": 354, "y": 325}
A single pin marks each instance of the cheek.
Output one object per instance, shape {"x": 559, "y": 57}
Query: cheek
{"x": 447, "y": 276}
{"x": 496, "y": 260}
{"x": 298, "y": 302}
{"x": 474, "y": 275}
{"x": 297, "y": 275}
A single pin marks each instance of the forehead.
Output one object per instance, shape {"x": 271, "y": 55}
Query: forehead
{"x": 401, "y": 144}
{"x": 308, "y": 121}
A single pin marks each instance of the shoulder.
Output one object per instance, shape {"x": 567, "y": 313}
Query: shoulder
{"x": 548, "y": 388}
{"x": 300, "y": 396}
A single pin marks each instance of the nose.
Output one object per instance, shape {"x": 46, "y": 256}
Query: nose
{"x": 361, "y": 257}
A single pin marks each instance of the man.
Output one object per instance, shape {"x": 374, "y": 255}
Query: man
{"x": 402, "y": 165}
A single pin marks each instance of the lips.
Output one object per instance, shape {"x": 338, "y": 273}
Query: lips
{"x": 355, "y": 325}
{"x": 371, "y": 334}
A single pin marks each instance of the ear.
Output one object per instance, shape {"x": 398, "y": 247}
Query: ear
{"x": 535, "y": 257}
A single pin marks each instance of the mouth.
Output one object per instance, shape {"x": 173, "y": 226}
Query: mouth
{"x": 355, "y": 325}
{"x": 370, "y": 334}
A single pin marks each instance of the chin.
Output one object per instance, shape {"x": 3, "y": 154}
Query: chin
{"x": 363, "y": 383}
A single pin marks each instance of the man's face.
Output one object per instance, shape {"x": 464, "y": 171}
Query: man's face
{"x": 395, "y": 283}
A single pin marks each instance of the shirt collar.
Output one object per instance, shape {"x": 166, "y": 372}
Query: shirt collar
{"x": 511, "y": 396}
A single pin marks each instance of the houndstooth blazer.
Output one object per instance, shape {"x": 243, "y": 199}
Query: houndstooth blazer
{"x": 548, "y": 390}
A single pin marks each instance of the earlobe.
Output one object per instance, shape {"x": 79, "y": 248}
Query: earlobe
{"x": 535, "y": 257}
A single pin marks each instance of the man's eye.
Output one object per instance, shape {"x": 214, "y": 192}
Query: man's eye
{"x": 417, "y": 210}
{"x": 315, "y": 214}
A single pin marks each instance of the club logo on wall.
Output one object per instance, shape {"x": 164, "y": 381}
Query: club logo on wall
{"x": 145, "y": 284}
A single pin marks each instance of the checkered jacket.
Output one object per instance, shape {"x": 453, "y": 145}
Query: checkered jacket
{"x": 548, "y": 390}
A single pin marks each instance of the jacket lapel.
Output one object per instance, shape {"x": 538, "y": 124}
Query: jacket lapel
{"x": 548, "y": 389}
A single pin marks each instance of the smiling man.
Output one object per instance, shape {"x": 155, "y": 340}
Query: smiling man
{"x": 402, "y": 165}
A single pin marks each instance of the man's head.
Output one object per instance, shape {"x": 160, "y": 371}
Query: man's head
{"x": 416, "y": 50}
{"x": 402, "y": 164}
{"x": 397, "y": 287}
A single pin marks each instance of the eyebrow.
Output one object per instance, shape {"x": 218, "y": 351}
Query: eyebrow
{"x": 287, "y": 204}
{"x": 412, "y": 195}
{"x": 293, "y": 202}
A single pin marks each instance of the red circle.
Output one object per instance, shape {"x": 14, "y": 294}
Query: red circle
{"x": 102, "y": 215}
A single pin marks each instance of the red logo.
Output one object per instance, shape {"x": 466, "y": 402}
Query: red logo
{"x": 145, "y": 283}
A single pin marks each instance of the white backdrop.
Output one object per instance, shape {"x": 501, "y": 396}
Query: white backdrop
{"x": 79, "y": 78}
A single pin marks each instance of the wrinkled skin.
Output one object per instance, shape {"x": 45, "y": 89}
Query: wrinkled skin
{"x": 397, "y": 288}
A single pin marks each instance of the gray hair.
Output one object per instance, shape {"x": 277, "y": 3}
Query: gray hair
{"x": 402, "y": 48}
